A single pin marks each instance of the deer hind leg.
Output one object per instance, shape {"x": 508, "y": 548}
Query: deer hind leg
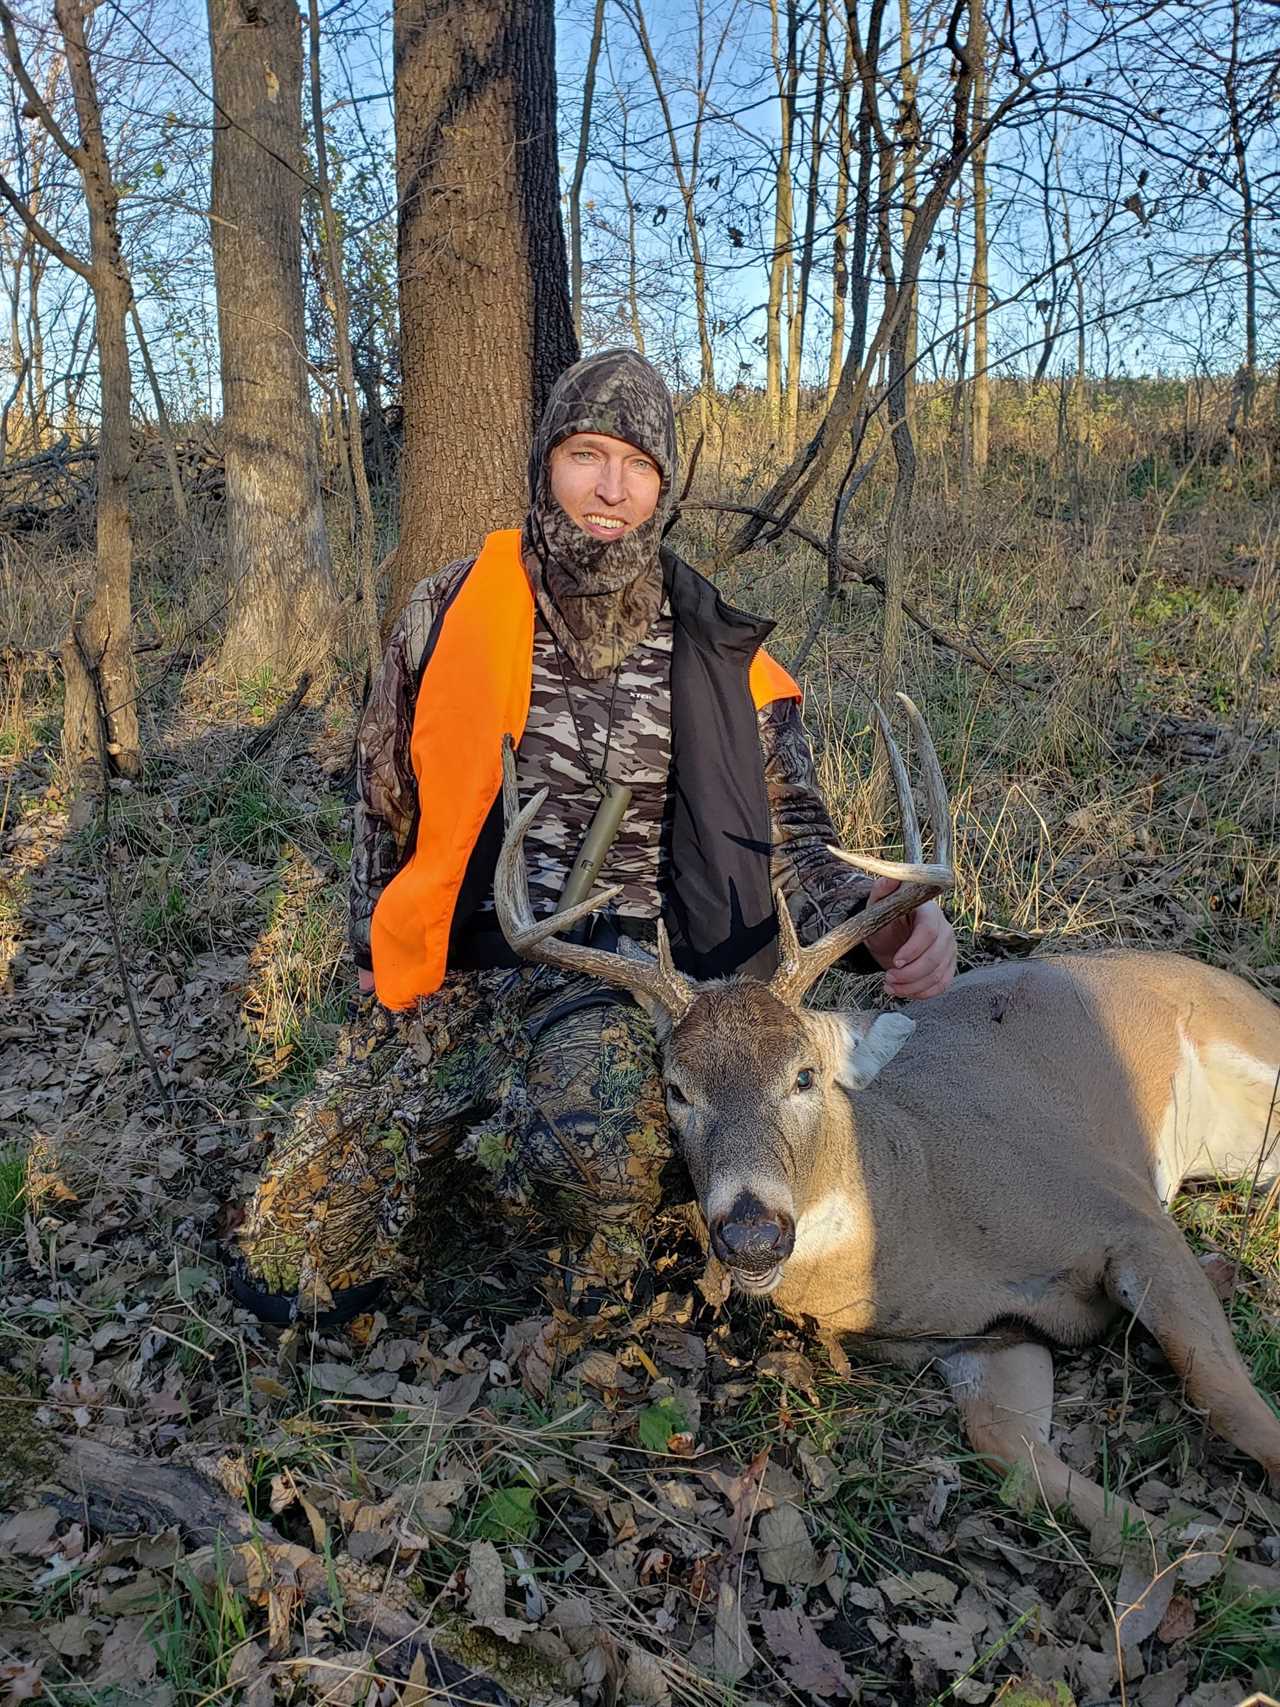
{"x": 1005, "y": 1399}
{"x": 1161, "y": 1282}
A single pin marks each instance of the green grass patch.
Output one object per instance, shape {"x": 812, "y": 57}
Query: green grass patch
{"x": 1239, "y": 1638}
{"x": 13, "y": 1189}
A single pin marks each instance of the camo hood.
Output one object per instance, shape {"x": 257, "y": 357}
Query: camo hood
{"x": 600, "y": 597}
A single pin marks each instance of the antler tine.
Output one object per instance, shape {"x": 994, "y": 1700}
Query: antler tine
{"x": 911, "y": 844}
{"x": 918, "y": 882}
{"x": 651, "y": 981}
{"x": 790, "y": 953}
{"x": 935, "y": 785}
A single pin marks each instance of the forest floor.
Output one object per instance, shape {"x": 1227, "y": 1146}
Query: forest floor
{"x": 673, "y": 1500}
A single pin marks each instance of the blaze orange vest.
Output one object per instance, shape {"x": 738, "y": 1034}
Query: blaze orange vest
{"x": 474, "y": 690}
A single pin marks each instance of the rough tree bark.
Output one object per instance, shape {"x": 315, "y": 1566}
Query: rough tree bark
{"x": 100, "y": 715}
{"x": 485, "y": 319}
{"x": 283, "y": 601}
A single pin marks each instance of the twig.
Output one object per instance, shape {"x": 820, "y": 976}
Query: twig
{"x": 90, "y": 667}
{"x": 870, "y": 578}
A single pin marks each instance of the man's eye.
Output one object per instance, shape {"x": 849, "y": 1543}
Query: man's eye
{"x": 804, "y": 1079}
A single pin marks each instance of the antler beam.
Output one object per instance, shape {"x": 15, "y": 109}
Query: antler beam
{"x": 651, "y": 982}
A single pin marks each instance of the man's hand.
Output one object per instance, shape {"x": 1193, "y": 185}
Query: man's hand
{"x": 917, "y": 951}
{"x": 365, "y": 981}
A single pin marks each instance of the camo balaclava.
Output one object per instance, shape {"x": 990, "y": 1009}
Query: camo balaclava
{"x": 599, "y": 597}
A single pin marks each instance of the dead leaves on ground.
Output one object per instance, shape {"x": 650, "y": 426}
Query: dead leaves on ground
{"x": 597, "y": 1512}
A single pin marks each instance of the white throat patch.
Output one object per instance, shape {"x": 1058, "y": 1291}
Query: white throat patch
{"x": 827, "y": 1226}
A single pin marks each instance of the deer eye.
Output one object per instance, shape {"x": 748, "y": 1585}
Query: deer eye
{"x": 676, "y": 1097}
{"x": 804, "y": 1079}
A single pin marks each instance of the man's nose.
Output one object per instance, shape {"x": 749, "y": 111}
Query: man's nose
{"x": 611, "y": 487}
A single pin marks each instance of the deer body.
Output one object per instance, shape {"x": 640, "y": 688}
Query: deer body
{"x": 1027, "y": 1134}
{"x": 976, "y": 1182}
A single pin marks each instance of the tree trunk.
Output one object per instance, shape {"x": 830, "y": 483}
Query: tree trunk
{"x": 100, "y": 716}
{"x": 351, "y": 442}
{"x": 787, "y": 72}
{"x": 687, "y": 182}
{"x": 283, "y": 600}
{"x": 580, "y": 170}
{"x": 980, "y": 437}
{"x": 633, "y": 290}
{"x": 909, "y": 141}
{"x": 486, "y": 325}
{"x": 840, "y": 238}
{"x": 1247, "y": 379}
{"x": 168, "y": 442}
{"x": 889, "y": 670}
{"x": 795, "y": 354}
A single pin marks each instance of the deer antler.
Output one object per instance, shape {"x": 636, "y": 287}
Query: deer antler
{"x": 799, "y": 968}
{"x": 650, "y": 981}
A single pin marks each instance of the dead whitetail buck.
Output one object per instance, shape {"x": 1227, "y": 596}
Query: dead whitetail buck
{"x": 978, "y": 1181}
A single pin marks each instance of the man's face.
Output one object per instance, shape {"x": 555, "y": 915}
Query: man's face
{"x": 606, "y": 486}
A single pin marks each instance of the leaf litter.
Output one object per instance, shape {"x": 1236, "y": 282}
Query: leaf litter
{"x": 671, "y": 1498}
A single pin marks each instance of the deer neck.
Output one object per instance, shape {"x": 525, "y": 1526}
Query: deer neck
{"x": 869, "y": 1189}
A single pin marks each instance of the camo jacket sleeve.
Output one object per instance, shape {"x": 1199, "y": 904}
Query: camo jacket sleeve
{"x": 821, "y": 890}
{"x": 386, "y": 788}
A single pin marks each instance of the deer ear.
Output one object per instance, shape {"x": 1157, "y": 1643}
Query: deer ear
{"x": 871, "y": 1042}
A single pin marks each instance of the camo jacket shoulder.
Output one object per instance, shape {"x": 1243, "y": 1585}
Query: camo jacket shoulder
{"x": 386, "y": 788}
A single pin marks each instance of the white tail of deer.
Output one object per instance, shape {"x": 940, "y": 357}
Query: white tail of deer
{"x": 977, "y": 1182}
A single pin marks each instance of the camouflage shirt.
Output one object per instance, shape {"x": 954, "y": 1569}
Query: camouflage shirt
{"x": 821, "y": 891}
{"x": 568, "y": 713}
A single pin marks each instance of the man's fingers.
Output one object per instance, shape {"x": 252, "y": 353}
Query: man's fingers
{"x": 927, "y": 929}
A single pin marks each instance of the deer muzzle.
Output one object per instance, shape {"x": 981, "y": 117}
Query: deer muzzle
{"x": 753, "y": 1241}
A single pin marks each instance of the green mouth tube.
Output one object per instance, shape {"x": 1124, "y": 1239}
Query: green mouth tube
{"x": 601, "y": 834}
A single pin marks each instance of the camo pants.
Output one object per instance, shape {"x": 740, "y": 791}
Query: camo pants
{"x": 544, "y": 1085}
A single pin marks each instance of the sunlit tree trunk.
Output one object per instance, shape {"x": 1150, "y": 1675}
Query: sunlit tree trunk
{"x": 580, "y": 170}
{"x": 633, "y": 291}
{"x": 909, "y": 143}
{"x": 981, "y": 428}
{"x": 283, "y": 600}
{"x": 348, "y": 412}
{"x": 686, "y": 181}
{"x": 1248, "y": 376}
{"x": 101, "y": 704}
{"x": 840, "y": 223}
{"x": 786, "y": 73}
{"x": 795, "y": 351}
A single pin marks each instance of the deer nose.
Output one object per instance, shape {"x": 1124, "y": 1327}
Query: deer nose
{"x": 751, "y": 1236}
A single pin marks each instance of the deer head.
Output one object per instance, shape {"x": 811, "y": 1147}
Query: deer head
{"x": 756, "y": 1082}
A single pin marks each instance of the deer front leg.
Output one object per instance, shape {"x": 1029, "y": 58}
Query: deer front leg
{"x": 1005, "y": 1399}
{"x": 1161, "y": 1282}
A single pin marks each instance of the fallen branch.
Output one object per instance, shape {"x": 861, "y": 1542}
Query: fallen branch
{"x": 116, "y": 1493}
{"x": 855, "y": 571}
